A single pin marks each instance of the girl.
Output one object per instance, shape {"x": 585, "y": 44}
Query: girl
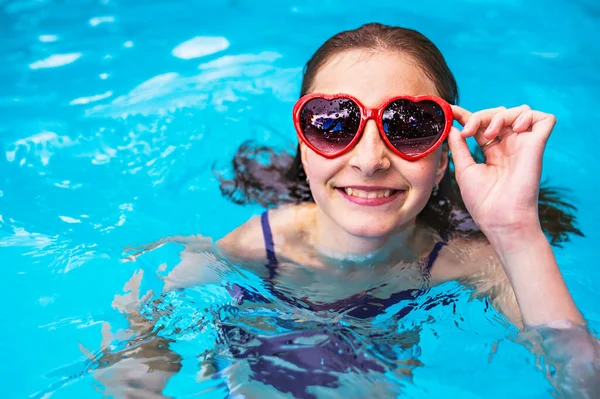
{"x": 368, "y": 215}
{"x": 375, "y": 113}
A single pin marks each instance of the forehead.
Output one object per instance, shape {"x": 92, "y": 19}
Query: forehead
{"x": 372, "y": 76}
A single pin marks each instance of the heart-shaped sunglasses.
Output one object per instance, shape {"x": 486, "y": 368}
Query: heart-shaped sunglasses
{"x": 411, "y": 126}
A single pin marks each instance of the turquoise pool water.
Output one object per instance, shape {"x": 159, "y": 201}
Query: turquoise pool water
{"x": 113, "y": 114}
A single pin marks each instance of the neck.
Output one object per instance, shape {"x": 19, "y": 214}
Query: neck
{"x": 332, "y": 241}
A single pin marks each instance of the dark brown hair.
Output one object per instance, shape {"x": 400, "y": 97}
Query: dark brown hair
{"x": 282, "y": 179}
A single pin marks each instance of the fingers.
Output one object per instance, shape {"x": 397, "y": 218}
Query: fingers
{"x": 506, "y": 118}
{"x": 523, "y": 121}
{"x": 479, "y": 121}
{"x": 461, "y": 154}
{"x": 491, "y": 123}
{"x": 517, "y": 120}
{"x": 460, "y": 114}
{"x": 472, "y": 122}
{"x": 542, "y": 124}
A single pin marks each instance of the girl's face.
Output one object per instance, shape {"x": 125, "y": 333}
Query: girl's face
{"x": 371, "y": 168}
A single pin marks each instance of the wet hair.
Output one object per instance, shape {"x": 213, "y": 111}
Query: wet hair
{"x": 260, "y": 175}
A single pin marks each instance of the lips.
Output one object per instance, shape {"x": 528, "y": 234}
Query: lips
{"x": 370, "y": 195}
{"x": 361, "y": 193}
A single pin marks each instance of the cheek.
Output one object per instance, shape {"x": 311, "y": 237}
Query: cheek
{"x": 320, "y": 172}
{"x": 422, "y": 173}
{"x": 421, "y": 177}
{"x": 319, "y": 169}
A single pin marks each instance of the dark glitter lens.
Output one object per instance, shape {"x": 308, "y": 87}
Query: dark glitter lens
{"x": 330, "y": 125}
{"x": 413, "y": 127}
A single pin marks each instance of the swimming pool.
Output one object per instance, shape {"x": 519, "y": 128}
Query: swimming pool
{"x": 114, "y": 113}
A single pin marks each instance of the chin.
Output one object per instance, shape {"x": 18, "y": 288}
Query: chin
{"x": 377, "y": 228}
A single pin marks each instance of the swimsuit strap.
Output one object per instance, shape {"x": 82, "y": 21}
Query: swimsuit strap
{"x": 269, "y": 245}
{"x": 272, "y": 258}
{"x": 434, "y": 254}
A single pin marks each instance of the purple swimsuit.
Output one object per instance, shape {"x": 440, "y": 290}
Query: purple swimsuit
{"x": 319, "y": 352}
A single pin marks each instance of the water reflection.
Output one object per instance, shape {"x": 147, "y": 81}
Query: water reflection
{"x": 55, "y": 60}
{"x": 263, "y": 342}
{"x": 200, "y": 46}
{"x": 69, "y": 151}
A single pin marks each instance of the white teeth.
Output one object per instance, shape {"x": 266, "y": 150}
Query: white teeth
{"x": 367, "y": 194}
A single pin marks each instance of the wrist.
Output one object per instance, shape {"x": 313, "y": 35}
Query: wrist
{"x": 516, "y": 235}
{"x": 512, "y": 244}
{"x": 530, "y": 265}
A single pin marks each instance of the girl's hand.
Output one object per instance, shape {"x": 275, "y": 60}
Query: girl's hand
{"x": 502, "y": 194}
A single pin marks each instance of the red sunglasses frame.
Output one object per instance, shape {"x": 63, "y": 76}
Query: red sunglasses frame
{"x": 377, "y": 114}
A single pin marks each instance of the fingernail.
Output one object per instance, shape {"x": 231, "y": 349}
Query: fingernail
{"x": 467, "y": 126}
{"x": 489, "y": 129}
{"x": 519, "y": 120}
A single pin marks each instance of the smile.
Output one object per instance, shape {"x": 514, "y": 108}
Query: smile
{"x": 370, "y": 196}
{"x": 355, "y": 192}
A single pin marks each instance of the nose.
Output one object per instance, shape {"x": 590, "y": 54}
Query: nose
{"x": 370, "y": 154}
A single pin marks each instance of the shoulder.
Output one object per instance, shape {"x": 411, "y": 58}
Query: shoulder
{"x": 463, "y": 259}
{"x": 286, "y": 222}
{"x": 292, "y": 221}
{"x": 245, "y": 241}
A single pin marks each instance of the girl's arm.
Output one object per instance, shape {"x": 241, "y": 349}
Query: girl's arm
{"x": 201, "y": 260}
{"x": 526, "y": 281}
{"x": 502, "y": 197}
{"x": 570, "y": 353}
